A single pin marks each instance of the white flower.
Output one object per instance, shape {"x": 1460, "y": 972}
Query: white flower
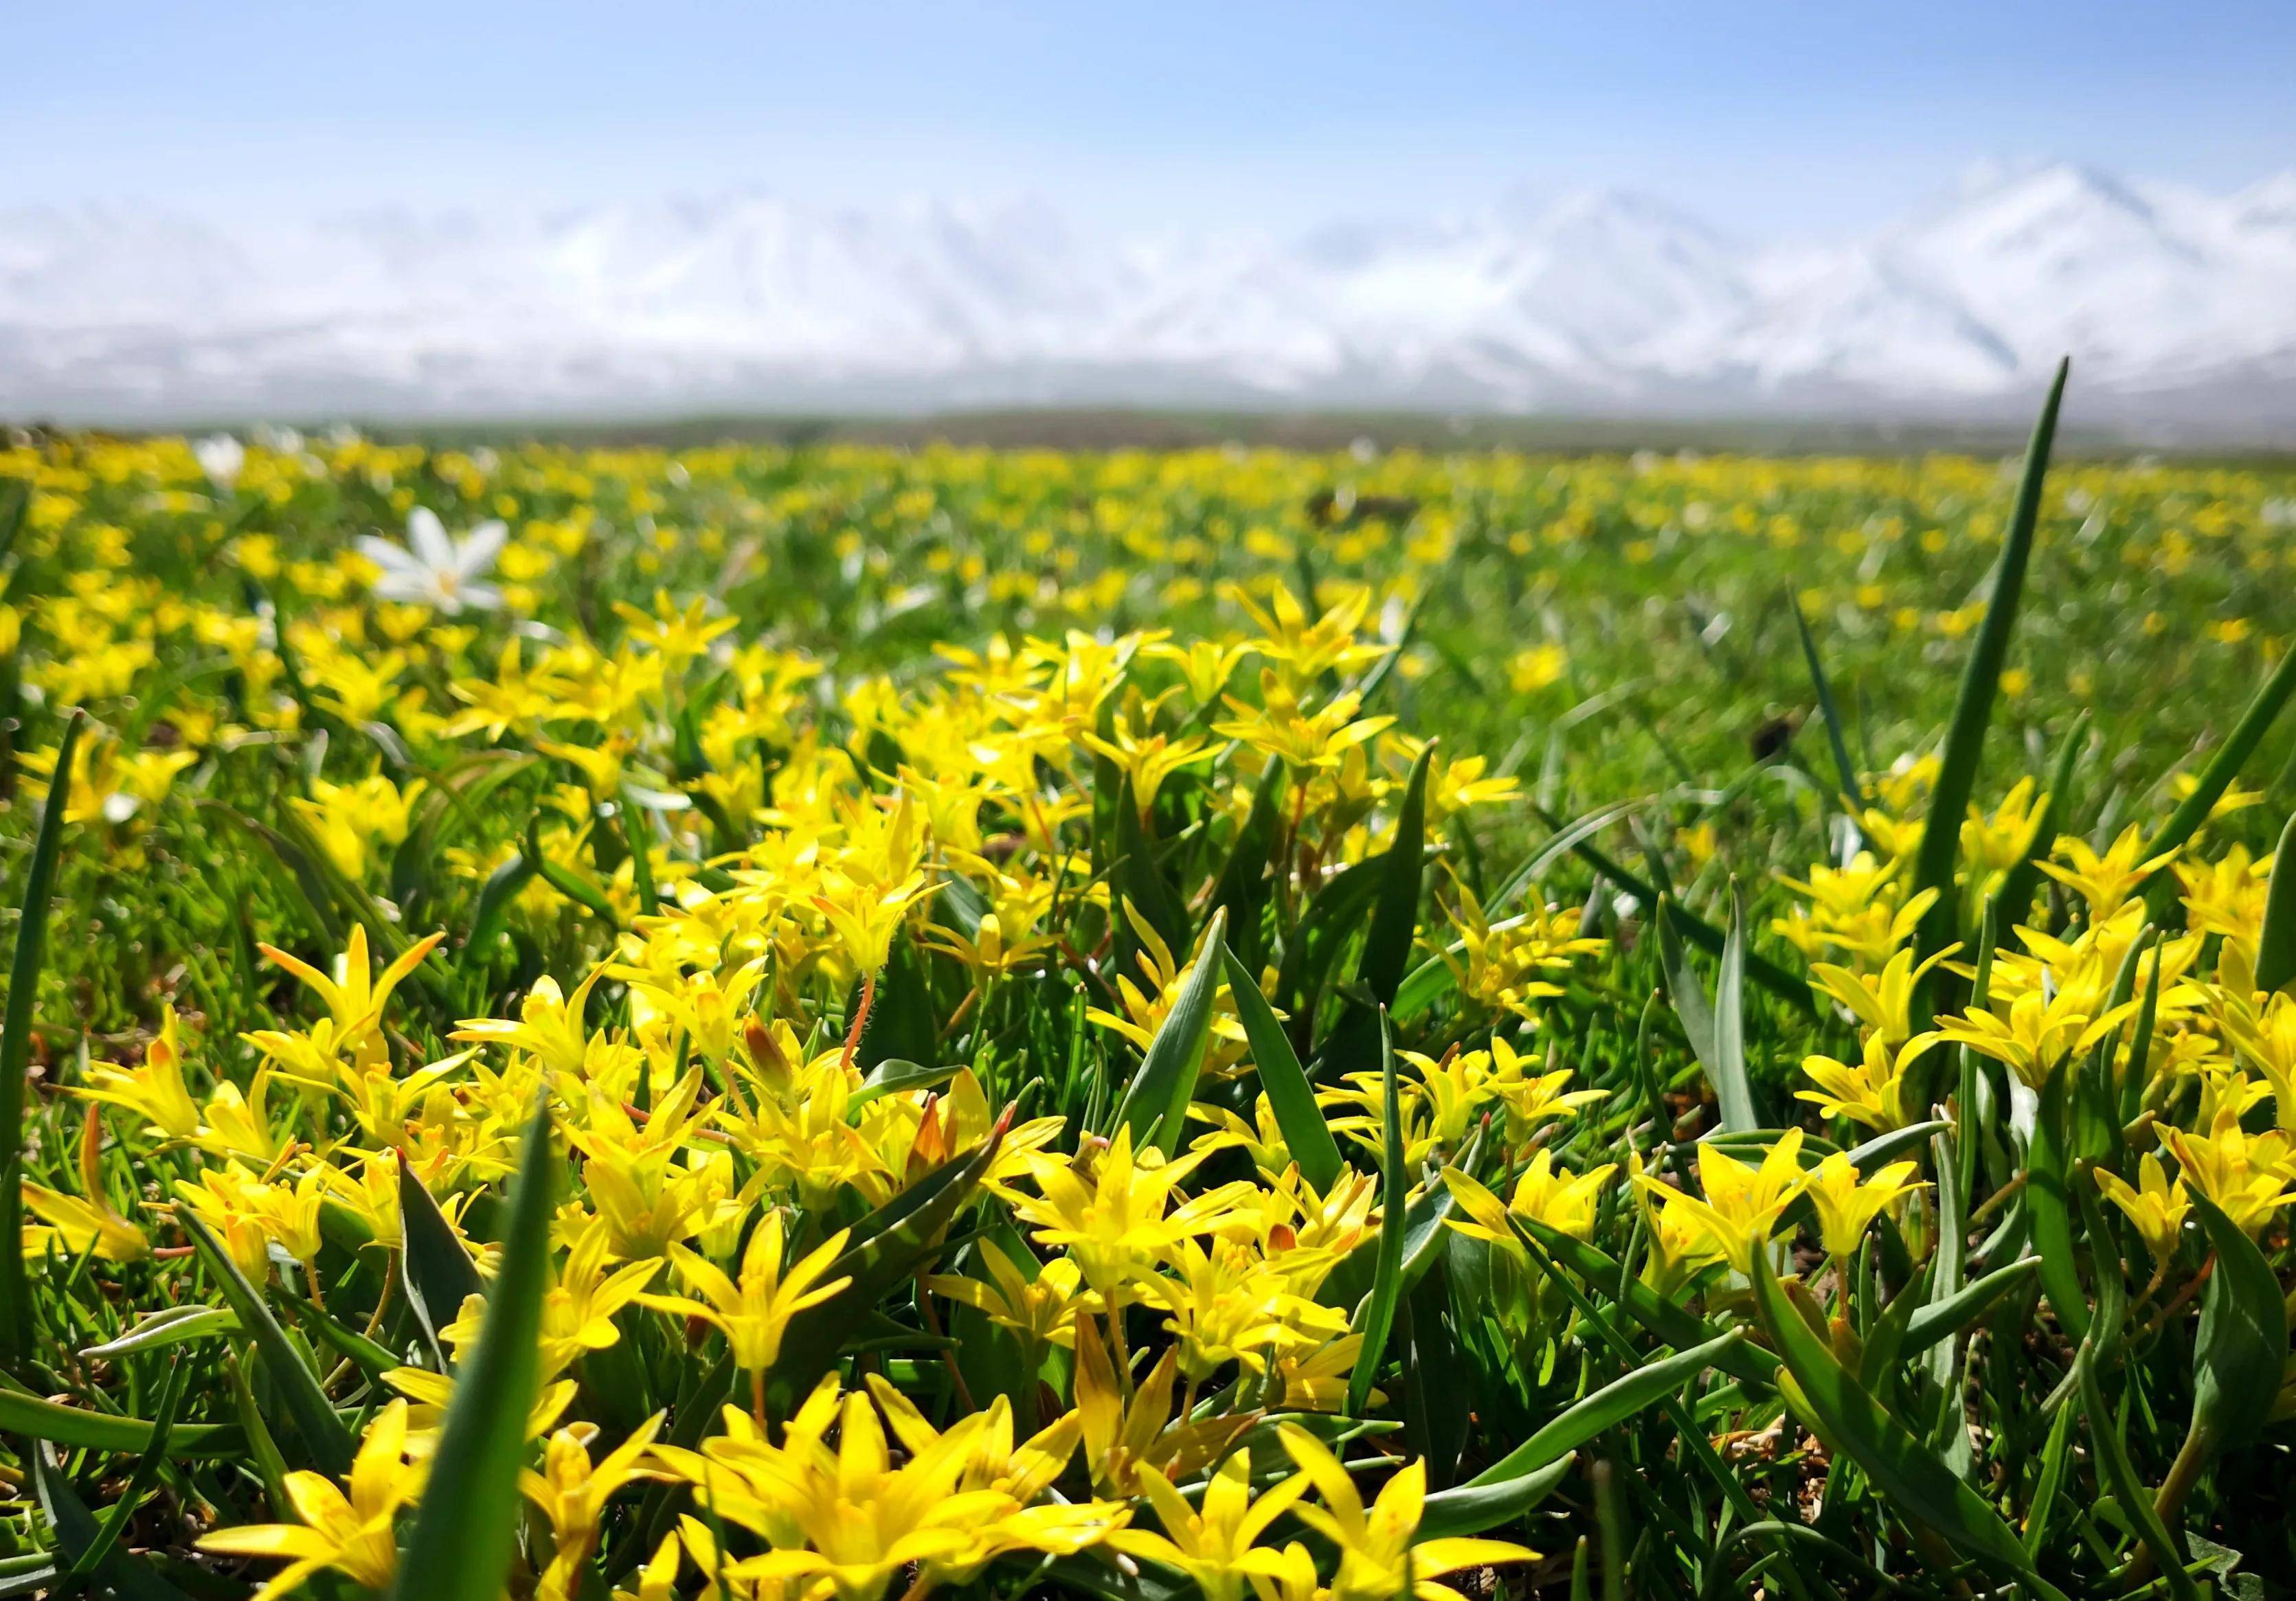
{"x": 438, "y": 571}
{"x": 220, "y": 457}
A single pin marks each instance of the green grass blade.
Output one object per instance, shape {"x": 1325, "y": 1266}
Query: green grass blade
{"x": 1943, "y": 1319}
{"x": 2225, "y": 766}
{"x": 461, "y": 1546}
{"x": 1395, "y": 915}
{"x": 124, "y": 1573}
{"x": 1242, "y": 887}
{"x": 1661, "y": 1318}
{"x": 438, "y": 1273}
{"x": 1472, "y": 1508}
{"x": 139, "y": 1481}
{"x": 1387, "y": 1286}
{"x": 1907, "y": 1473}
{"x": 35, "y": 1418}
{"x": 2015, "y": 898}
{"x": 16, "y": 1050}
{"x": 1306, "y": 1134}
{"x": 2049, "y": 1204}
{"x": 2243, "y": 1343}
{"x": 2120, "y": 1475}
{"x": 889, "y": 1247}
{"x": 1614, "y": 1403}
{"x": 1692, "y": 928}
{"x": 324, "y": 1435}
{"x": 1717, "y": 1031}
{"x": 1155, "y": 1107}
{"x": 1141, "y": 881}
{"x": 1851, "y": 790}
{"x": 2276, "y": 947}
{"x": 1981, "y": 686}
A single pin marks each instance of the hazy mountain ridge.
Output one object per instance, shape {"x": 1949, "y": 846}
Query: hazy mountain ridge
{"x": 2179, "y": 306}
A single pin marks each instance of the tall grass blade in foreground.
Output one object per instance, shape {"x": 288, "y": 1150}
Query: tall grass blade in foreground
{"x": 16, "y": 1047}
{"x": 459, "y": 1549}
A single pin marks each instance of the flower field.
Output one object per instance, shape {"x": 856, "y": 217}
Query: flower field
{"x": 844, "y": 1023}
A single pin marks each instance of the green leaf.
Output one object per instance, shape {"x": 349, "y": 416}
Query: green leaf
{"x": 16, "y": 1049}
{"x": 1473, "y": 1507}
{"x": 1981, "y": 686}
{"x": 1696, "y": 930}
{"x": 1943, "y": 1319}
{"x": 466, "y": 1524}
{"x": 139, "y": 1481}
{"x": 1141, "y": 881}
{"x": 1662, "y": 1318}
{"x": 1377, "y": 1316}
{"x": 1908, "y": 1475}
{"x": 895, "y": 1076}
{"x": 2048, "y": 1204}
{"x": 1623, "y": 1398}
{"x": 2121, "y": 1477}
{"x": 2015, "y": 895}
{"x": 888, "y": 1249}
{"x": 1852, "y": 792}
{"x": 2225, "y": 766}
{"x": 167, "y": 1326}
{"x": 33, "y": 1417}
{"x": 576, "y": 886}
{"x": 1241, "y": 888}
{"x": 1395, "y": 915}
{"x": 1716, "y": 1033}
{"x": 2275, "y": 948}
{"x": 437, "y": 1271}
{"x": 2243, "y": 1343}
{"x": 125, "y": 1574}
{"x": 322, "y": 1430}
{"x": 1306, "y": 1134}
{"x": 1156, "y": 1105}
{"x": 1424, "y": 1239}
{"x": 1332, "y": 915}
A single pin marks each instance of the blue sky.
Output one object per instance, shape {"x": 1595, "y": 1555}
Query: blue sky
{"x": 1774, "y": 120}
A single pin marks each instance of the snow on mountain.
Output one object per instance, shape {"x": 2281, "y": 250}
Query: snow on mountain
{"x": 2170, "y": 300}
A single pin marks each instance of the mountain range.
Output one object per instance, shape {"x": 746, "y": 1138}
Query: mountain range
{"x": 2178, "y": 306}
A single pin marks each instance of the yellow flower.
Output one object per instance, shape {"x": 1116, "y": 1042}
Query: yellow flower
{"x": 841, "y": 1522}
{"x": 2040, "y": 1032}
{"x": 572, "y": 1493}
{"x": 87, "y": 1221}
{"x": 2105, "y": 881}
{"x": 1563, "y": 1202}
{"x": 865, "y": 918}
{"x": 1042, "y": 1311}
{"x": 354, "y": 997}
{"x": 1847, "y": 1204}
{"x": 1216, "y": 1546}
{"x": 1380, "y": 1554}
{"x": 1872, "y": 1092}
{"x": 354, "y": 1535}
{"x": 2247, "y": 1177}
{"x": 154, "y": 1089}
{"x": 1308, "y": 741}
{"x": 1531, "y": 670}
{"x": 1744, "y": 1203}
{"x": 2157, "y": 1208}
{"x": 1109, "y": 1210}
{"x": 755, "y": 1312}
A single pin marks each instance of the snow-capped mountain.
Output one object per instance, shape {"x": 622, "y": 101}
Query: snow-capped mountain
{"x": 2180, "y": 307}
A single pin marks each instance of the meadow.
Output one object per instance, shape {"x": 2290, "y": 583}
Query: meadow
{"x": 839, "y": 1022}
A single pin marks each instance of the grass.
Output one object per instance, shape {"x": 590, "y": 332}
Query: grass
{"x": 834, "y": 1019}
